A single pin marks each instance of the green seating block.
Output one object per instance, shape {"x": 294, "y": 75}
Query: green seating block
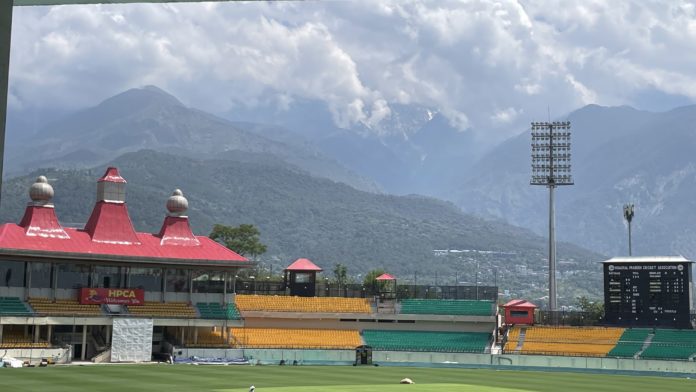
{"x": 671, "y": 344}
{"x": 449, "y": 307}
{"x": 13, "y": 306}
{"x": 218, "y": 311}
{"x": 630, "y": 343}
{"x": 473, "y": 342}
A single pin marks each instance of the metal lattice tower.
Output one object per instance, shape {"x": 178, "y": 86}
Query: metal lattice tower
{"x": 551, "y": 168}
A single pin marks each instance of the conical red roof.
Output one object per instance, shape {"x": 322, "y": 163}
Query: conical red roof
{"x": 386, "y": 277}
{"x": 303, "y": 265}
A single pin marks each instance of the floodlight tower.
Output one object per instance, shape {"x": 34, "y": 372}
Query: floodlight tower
{"x": 551, "y": 168}
{"x": 628, "y": 215}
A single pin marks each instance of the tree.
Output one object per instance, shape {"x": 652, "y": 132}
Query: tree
{"x": 243, "y": 239}
{"x": 340, "y": 274}
{"x": 594, "y": 310}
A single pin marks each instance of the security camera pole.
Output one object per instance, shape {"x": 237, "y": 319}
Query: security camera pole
{"x": 628, "y": 215}
{"x": 551, "y": 168}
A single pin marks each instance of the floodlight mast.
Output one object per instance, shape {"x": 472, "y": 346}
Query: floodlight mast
{"x": 628, "y": 215}
{"x": 551, "y": 168}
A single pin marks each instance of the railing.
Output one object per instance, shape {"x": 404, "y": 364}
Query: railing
{"x": 323, "y": 289}
{"x": 568, "y": 318}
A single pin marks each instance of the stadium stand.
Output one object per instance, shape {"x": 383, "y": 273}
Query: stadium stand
{"x": 473, "y": 342}
{"x": 214, "y": 310}
{"x": 63, "y": 307}
{"x": 630, "y": 343}
{"x": 272, "y": 303}
{"x": 671, "y": 344}
{"x": 570, "y": 341}
{"x": 451, "y": 307}
{"x": 13, "y": 306}
{"x": 164, "y": 309}
{"x": 295, "y": 338}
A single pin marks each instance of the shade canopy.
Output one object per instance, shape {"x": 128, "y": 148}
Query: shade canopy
{"x": 386, "y": 276}
{"x": 303, "y": 265}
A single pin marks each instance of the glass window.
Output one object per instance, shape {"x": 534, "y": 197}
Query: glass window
{"x": 73, "y": 276}
{"x": 40, "y": 275}
{"x": 107, "y": 277}
{"x": 177, "y": 281}
{"x": 148, "y": 279}
{"x": 12, "y": 273}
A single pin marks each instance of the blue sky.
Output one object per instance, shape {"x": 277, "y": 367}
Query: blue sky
{"x": 492, "y": 66}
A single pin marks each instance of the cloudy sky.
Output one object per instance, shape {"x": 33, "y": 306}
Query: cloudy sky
{"x": 491, "y": 66}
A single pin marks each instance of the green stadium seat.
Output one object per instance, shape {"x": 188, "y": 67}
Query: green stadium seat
{"x": 214, "y": 310}
{"x": 671, "y": 344}
{"x": 13, "y": 306}
{"x": 449, "y": 307}
{"x": 630, "y": 343}
{"x": 473, "y": 342}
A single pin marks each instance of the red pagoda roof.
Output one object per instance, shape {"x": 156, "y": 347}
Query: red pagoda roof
{"x": 112, "y": 175}
{"x": 108, "y": 235}
{"x": 386, "y": 277}
{"x": 303, "y": 265}
{"x": 519, "y": 303}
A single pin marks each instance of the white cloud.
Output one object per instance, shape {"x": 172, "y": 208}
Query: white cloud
{"x": 491, "y": 66}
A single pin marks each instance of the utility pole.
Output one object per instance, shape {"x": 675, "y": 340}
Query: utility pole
{"x": 551, "y": 168}
{"x": 628, "y": 215}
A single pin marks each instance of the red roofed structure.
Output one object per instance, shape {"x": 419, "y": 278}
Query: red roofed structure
{"x": 109, "y": 234}
{"x": 303, "y": 265}
{"x": 63, "y": 271}
{"x": 301, "y": 278}
{"x": 519, "y": 311}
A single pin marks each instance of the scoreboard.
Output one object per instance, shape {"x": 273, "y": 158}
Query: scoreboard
{"x": 648, "y": 291}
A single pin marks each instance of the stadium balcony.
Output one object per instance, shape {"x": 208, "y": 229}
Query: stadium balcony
{"x": 217, "y": 311}
{"x": 564, "y": 341}
{"x": 448, "y": 307}
{"x": 63, "y": 307}
{"x": 334, "y": 339}
{"x": 13, "y": 306}
{"x": 164, "y": 309}
{"x": 470, "y": 342}
{"x": 269, "y": 303}
{"x": 671, "y": 344}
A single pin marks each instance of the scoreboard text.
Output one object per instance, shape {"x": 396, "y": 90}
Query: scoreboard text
{"x": 648, "y": 294}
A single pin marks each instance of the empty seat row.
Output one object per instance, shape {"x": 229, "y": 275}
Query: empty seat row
{"x": 630, "y": 343}
{"x": 580, "y": 341}
{"x": 473, "y": 342}
{"x": 164, "y": 309}
{"x": 273, "y": 303}
{"x": 295, "y": 338}
{"x": 13, "y": 306}
{"x": 450, "y": 307}
{"x": 214, "y": 310}
{"x": 63, "y": 307}
{"x": 671, "y": 344}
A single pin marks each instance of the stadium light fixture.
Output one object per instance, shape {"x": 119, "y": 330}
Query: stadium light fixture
{"x": 551, "y": 168}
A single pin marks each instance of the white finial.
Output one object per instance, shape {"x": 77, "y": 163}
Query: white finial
{"x": 41, "y": 192}
{"x": 177, "y": 203}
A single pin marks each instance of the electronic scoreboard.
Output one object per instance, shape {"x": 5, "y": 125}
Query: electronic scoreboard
{"x": 648, "y": 291}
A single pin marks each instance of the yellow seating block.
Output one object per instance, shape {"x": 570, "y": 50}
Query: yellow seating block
{"x": 295, "y": 338}
{"x": 273, "y": 303}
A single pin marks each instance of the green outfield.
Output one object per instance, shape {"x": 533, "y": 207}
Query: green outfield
{"x": 180, "y": 378}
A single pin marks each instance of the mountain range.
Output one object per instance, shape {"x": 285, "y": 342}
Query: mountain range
{"x": 620, "y": 155}
{"x": 300, "y": 215}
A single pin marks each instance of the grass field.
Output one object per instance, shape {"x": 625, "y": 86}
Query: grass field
{"x": 176, "y": 378}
